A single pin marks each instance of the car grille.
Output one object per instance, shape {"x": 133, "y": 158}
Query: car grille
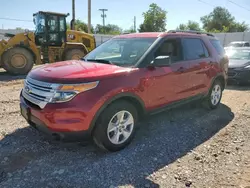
{"x": 38, "y": 92}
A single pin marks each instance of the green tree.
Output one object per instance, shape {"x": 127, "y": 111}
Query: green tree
{"x": 154, "y": 19}
{"x": 19, "y": 28}
{"x": 130, "y": 30}
{"x": 81, "y": 26}
{"x": 182, "y": 27}
{"x": 110, "y": 29}
{"x": 221, "y": 20}
{"x": 191, "y": 25}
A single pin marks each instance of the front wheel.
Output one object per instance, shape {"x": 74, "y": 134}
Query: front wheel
{"x": 116, "y": 126}
{"x": 214, "y": 97}
{"x": 18, "y": 61}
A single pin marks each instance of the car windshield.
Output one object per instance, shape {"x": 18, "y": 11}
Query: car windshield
{"x": 120, "y": 51}
{"x": 239, "y": 54}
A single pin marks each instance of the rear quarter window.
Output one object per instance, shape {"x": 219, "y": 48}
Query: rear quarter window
{"x": 217, "y": 45}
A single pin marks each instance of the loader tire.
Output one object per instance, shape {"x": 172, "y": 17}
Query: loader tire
{"x": 18, "y": 61}
{"x": 74, "y": 54}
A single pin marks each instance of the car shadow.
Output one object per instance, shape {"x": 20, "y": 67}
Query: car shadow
{"x": 6, "y": 77}
{"x": 239, "y": 87}
{"x": 161, "y": 139}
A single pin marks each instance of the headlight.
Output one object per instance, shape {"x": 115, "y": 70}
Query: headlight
{"x": 247, "y": 67}
{"x": 67, "y": 92}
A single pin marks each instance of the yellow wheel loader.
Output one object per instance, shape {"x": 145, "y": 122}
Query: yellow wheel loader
{"x": 50, "y": 42}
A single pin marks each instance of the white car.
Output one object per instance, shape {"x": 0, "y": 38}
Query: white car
{"x": 238, "y": 44}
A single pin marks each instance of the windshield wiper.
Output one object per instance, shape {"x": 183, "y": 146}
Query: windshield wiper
{"x": 100, "y": 60}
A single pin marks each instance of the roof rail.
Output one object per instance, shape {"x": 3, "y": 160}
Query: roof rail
{"x": 190, "y": 31}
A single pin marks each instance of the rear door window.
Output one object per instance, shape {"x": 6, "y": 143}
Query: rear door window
{"x": 194, "y": 48}
{"x": 247, "y": 44}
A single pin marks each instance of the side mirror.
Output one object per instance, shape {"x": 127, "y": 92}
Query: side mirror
{"x": 161, "y": 61}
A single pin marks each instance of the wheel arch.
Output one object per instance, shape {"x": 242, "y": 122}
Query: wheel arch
{"x": 70, "y": 46}
{"x": 130, "y": 97}
{"x": 220, "y": 78}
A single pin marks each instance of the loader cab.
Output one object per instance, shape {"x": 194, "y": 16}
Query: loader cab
{"x": 50, "y": 28}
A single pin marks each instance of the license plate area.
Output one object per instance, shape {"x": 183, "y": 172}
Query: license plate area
{"x": 25, "y": 111}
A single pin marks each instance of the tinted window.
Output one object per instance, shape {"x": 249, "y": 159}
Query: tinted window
{"x": 217, "y": 45}
{"x": 247, "y": 44}
{"x": 52, "y": 23}
{"x": 205, "y": 50}
{"x": 172, "y": 48}
{"x": 62, "y": 24}
{"x": 193, "y": 49}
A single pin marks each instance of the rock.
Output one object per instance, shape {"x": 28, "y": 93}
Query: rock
{"x": 155, "y": 159}
{"x": 237, "y": 148}
{"x": 215, "y": 155}
{"x": 9, "y": 175}
{"x": 27, "y": 171}
{"x": 164, "y": 176}
{"x": 228, "y": 152}
{"x": 61, "y": 171}
{"x": 188, "y": 183}
{"x": 197, "y": 158}
{"x": 176, "y": 177}
{"x": 5, "y": 158}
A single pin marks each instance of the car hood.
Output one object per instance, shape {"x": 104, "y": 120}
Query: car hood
{"x": 73, "y": 71}
{"x": 238, "y": 63}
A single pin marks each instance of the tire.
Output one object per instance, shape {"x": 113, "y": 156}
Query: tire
{"x": 74, "y": 54}
{"x": 108, "y": 142}
{"x": 214, "y": 96}
{"x": 18, "y": 61}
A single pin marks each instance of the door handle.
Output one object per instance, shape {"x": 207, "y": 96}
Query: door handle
{"x": 181, "y": 69}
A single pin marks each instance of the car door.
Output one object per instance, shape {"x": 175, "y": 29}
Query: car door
{"x": 167, "y": 84}
{"x": 197, "y": 56}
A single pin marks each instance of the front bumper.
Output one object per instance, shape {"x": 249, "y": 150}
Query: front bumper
{"x": 58, "y": 124}
{"x": 239, "y": 75}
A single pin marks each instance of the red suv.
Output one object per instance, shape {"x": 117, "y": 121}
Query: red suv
{"x": 103, "y": 95}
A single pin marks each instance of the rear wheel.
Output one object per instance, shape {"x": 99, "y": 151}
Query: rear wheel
{"x": 116, "y": 126}
{"x": 74, "y": 54}
{"x": 214, "y": 97}
{"x": 18, "y": 61}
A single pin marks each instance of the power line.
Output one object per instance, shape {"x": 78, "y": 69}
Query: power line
{"x": 14, "y": 19}
{"x": 206, "y": 3}
{"x": 238, "y": 5}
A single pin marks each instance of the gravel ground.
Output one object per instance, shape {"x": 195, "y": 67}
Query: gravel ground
{"x": 185, "y": 147}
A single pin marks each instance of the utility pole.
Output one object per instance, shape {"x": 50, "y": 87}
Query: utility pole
{"x": 89, "y": 16}
{"x": 103, "y": 15}
{"x": 72, "y": 23}
{"x": 135, "y": 24}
